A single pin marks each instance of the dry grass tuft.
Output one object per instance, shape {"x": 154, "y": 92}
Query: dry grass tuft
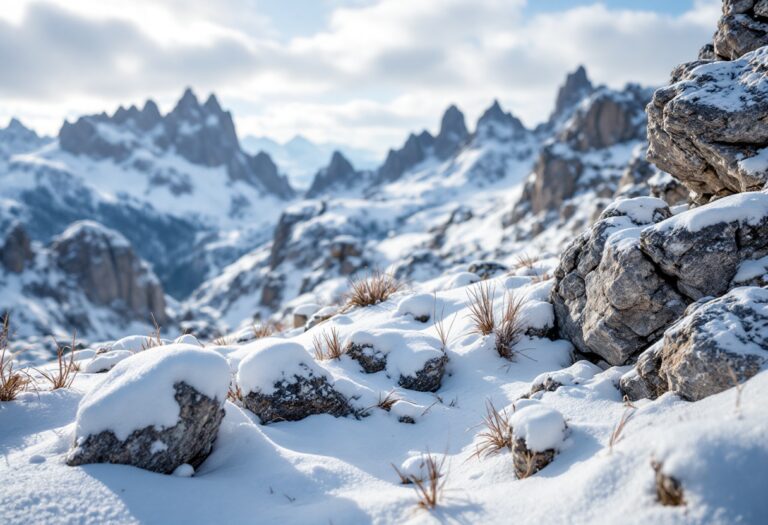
{"x": 66, "y": 369}
{"x": 263, "y": 330}
{"x": 443, "y": 331}
{"x": 155, "y": 338}
{"x": 224, "y": 340}
{"x": 510, "y": 329}
{"x": 430, "y": 489}
{"x": 669, "y": 491}
{"x": 525, "y": 260}
{"x": 481, "y": 308}
{"x": 497, "y": 435}
{"x": 12, "y": 382}
{"x": 617, "y": 431}
{"x": 328, "y": 345}
{"x": 235, "y": 393}
{"x": 371, "y": 290}
{"x": 388, "y": 401}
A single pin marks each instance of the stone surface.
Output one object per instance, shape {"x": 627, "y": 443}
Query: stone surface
{"x": 106, "y": 268}
{"x": 741, "y": 29}
{"x": 15, "y": 249}
{"x": 428, "y": 379}
{"x": 296, "y": 398}
{"x": 189, "y": 441}
{"x": 339, "y": 175}
{"x": 708, "y": 128}
{"x": 526, "y": 462}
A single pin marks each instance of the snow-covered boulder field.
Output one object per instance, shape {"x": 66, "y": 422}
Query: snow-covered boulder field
{"x": 158, "y": 409}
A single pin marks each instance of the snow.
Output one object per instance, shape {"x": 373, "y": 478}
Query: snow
{"x": 745, "y": 208}
{"x": 306, "y": 309}
{"x": 94, "y": 232}
{"x": 139, "y": 391}
{"x": 640, "y": 209}
{"x": 541, "y": 427}
{"x": 417, "y": 305}
{"x": 757, "y": 164}
{"x": 106, "y": 361}
{"x": 751, "y": 269}
{"x": 188, "y": 339}
{"x": 270, "y": 360}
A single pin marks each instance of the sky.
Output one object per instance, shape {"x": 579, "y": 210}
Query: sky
{"x": 358, "y": 72}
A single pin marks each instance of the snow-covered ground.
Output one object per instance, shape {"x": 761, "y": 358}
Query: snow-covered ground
{"x": 339, "y": 470}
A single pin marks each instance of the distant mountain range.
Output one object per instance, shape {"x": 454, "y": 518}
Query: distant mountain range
{"x": 300, "y": 158}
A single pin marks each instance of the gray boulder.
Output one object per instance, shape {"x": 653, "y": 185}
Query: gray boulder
{"x": 707, "y": 128}
{"x": 609, "y": 300}
{"x": 297, "y": 397}
{"x": 718, "y": 344}
{"x": 189, "y": 441}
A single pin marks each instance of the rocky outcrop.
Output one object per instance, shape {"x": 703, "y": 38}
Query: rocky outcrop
{"x": 608, "y": 298}
{"x": 109, "y": 273}
{"x": 15, "y": 249}
{"x": 622, "y": 283}
{"x": 708, "y": 128}
{"x": 496, "y": 124}
{"x": 742, "y": 28}
{"x": 718, "y": 344}
{"x": 339, "y": 175}
{"x": 188, "y": 442}
{"x": 203, "y": 134}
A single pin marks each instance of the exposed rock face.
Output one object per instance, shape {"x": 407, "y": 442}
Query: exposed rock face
{"x": 189, "y": 441}
{"x": 497, "y": 124}
{"x": 668, "y": 189}
{"x": 708, "y": 128}
{"x": 695, "y": 360}
{"x": 15, "y": 249}
{"x": 703, "y": 249}
{"x": 284, "y": 230}
{"x": 609, "y": 118}
{"x": 526, "y": 462}
{"x": 17, "y": 138}
{"x": 369, "y": 359}
{"x": 577, "y": 87}
{"x": 106, "y": 268}
{"x": 428, "y": 379}
{"x": 742, "y": 28}
{"x": 608, "y": 297}
{"x": 414, "y": 151}
{"x": 296, "y": 398}
{"x": 621, "y": 284}
{"x": 453, "y": 133}
{"x": 339, "y": 174}
{"x": 203, "y": 134}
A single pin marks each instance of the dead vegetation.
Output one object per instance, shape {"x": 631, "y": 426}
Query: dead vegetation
{"x": 155, "y": 338}
{"x": 328, "y": 345}
{"x": 235, "y": 393}
{"x": 669, "y": 491}
{"x": 261, "y": 330}
{"x": 481, "y": 308}
{"x": 371, "y": 290}
{"x": 430, "y": 487}
{"x": 497, "y": 435}
{"x": 66, "y": 368}
{"x": 443, "y": 331}
{"x": 12, "y": 381}
{"x": 619, "y": 428}
{"x": 388, "y": 401}
{"x": 510, "y": 329}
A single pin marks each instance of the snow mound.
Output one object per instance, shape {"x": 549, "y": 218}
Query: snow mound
{"x": 576, "y": 374}
{"x": 133, "y": 343}
{"x": 541, "y": 427}
{"x": 106, "y": 361}
{"x": 419, "y": 306}
{"x": 641, "y": 210}
{"x": 188, "y": 339}
{"x": 139, "y": 391}
{"x": 271, "y": 360}
{"x": 745, "y": 208}
{"x": 407, "y": 352}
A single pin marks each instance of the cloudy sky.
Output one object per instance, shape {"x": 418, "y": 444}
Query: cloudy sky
{"x": 362, "y": 72}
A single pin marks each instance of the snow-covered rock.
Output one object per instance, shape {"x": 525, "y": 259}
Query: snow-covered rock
{"x": 417, "y": 361}
{"x": 156, "y": 410}
{"x": 538, "y": 432}
{"x": 717, "y": 345}
{"x": 281, "y": 382}
{"x": 741, "y": 29}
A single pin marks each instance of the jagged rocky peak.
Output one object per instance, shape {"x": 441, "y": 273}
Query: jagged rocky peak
{"x": 453, "y": 132}
{"x": 576, "y": 88}
{"x": 105, "y": 266}
{"x": 15, "y": 248}
{"x": 414, "y": 151}
{"x": 497, "y": 124}
{"x": 17, "y": 138}
{"x": 203, "y": 134}
{"x": 337, "y": 175}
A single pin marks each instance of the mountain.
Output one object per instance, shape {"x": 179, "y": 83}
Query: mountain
{"x": 301, "y": 158}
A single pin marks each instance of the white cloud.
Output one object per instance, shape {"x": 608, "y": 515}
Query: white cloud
{"x": 376, "y": 71}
